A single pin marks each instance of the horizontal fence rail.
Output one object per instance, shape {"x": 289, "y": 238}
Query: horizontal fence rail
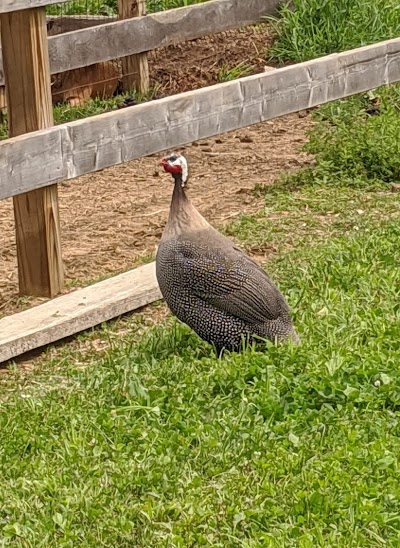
{"x": 96, "y": 44}
{"x": 7, "y": 6}
{"x": 69, "y": 150}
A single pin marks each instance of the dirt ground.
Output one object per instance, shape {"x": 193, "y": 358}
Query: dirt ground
{"x": 114, "y": 218}
{"x": 199, "y": 63}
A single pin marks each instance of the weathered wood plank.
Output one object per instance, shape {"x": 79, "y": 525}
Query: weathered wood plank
{"x": 84, "y": 146}
{"x": 2, "y": 81}
{"x": 3, "y": 100}
{"x": 77, "y": 311}
{"x": 7, "y": 6}
{"x": 85, "y": 47}
{"x": 29, "y": 108}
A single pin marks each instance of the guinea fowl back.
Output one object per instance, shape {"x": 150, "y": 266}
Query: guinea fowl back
{"x": 210, "y": 284}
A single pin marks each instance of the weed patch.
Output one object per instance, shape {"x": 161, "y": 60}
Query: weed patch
{"x": 308, "y": 29}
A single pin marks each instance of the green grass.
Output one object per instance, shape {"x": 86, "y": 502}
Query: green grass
{"x": 226, "y": 73}
{"x": 140, "y": 436}
{"x": 159, "y": 5}
{"x": 353, "y": 148}
{"x": 319, "y": 27}
{"x": 155, "y": 442}
{"x": 63, "y": 112}
{"x": 110, "y": 7}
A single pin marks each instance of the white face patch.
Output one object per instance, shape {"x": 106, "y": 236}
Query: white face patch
{"x": 181, "y": 161}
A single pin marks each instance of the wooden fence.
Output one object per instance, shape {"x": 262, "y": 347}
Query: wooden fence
{"x": 105, "y": 42}
{"x": 32, "y": 164}
{"x": 27, "y": 51}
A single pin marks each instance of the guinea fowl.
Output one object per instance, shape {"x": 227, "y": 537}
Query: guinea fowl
{"x": 211, "y": 285}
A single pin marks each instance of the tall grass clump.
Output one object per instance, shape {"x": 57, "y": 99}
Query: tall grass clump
{"x": 356, "y": 141}
{"x": 311, "y": 28}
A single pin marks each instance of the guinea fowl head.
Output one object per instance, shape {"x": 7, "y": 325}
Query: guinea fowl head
{"x": 176, "y": 164}
{"x": 183, "y": 216}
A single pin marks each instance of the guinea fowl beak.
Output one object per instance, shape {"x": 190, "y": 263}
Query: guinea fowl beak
{"x": 170, "y": 168}
{"x": 164, "y": 163}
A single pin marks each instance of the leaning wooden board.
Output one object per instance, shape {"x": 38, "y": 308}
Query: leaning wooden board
{"x": 77, "y": 311}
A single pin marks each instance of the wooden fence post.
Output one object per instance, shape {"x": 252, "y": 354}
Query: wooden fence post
{"x": 29, "y": 107}
{"x": 3, "y": 102}
{"x": 135, "y": 69}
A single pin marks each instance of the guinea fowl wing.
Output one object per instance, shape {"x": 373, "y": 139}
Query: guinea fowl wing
{"x": 224, "y": 277}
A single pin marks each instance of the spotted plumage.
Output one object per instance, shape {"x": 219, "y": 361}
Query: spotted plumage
{"x": 211, "y": 285}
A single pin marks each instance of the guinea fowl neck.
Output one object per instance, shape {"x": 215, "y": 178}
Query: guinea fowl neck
{"x": 183, "y": 216}
{"x": 179, "y": 199}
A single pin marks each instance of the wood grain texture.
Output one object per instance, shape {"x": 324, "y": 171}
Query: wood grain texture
{"x": 84, "y": 146}
{"x": 7, "y": 6}
{"x": 85, "y": 47}
{"x": 24, "y": 40}
{"x": 135, "y": 68}
{"x": 3, "y": 100}
{"x": 77, "y": 311}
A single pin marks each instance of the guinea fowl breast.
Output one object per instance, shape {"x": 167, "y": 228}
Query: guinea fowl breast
{"x": 210, "y": 284}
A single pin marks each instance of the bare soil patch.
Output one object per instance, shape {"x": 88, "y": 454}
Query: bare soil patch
{"x": 201, "y": 62}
